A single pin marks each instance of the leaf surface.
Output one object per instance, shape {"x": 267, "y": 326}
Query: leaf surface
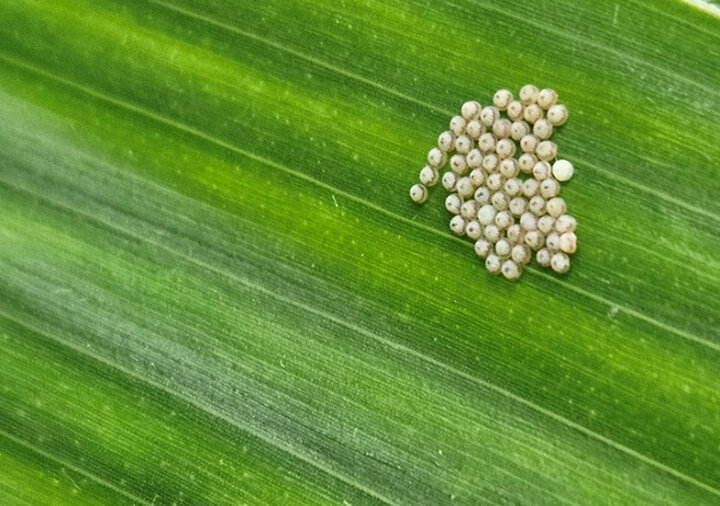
{"x": 215, "y": 290}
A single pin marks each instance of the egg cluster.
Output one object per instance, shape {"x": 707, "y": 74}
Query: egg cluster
{"x": 509, "y": 205}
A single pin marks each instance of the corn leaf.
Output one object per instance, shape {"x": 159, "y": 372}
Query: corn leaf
{"x": 214, "y": 288}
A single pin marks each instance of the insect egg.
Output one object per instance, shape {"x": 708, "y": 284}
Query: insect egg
{"x": 418, "y": 193}
{"x": 568, "y": 242}
{"x": 475, "y": 129}
{"x": 515, "y": 233}
{"x": 490, "y": 162}
{"x": 446, "y": 141}
{"x": 546, "y": 98}
{"x": 457, "y": 125}
{"x": 503, "y": 220}
{"x": 528, "y": 221}
{"x": 429, "y": 176}
{"x": 453, "y": 203}
{"x": 557, "y": 114}
{"x": 470, "y": 110}
{"x": 457, "y": 225}
{"x": 505, "y": 148}
{"x": 510, "y": 270}
{"x": 546, "y": 150}
{"x": 552, "y": 241}
{"x": 458, "y": 164}
{"x": 491, "y": 233}
{"x": 463, "y": 144}
{"x": 482, "y": 247}
{"x": 532, "y": 113}
{"x": 537, "y": 205}
{"x": 502, "y": 98}
{"x": 486, "y": 142}
{"x": 495, "y": 181}
{"x": 565, "y": 223}
{"x": 512, "y": 185}
{"x": 549, "y": 188}
{"x": 529, "y": 143}
{"x": 502, "y": 248}
{"x": 469, "y": 209}
{"x": 477, "y": 176}
{"x": 515, "y": 110}
{"x": 449, "y": 180}
{"x": 486, "y": 214}
{"x": 560, "y": 263}
{"x": 526, "y": 162}
{"x": 488, "y": 115}
{"x": 482, "y": 195}
{"x": 492, "y": 263}
{"x": 518, "y": 130}
{"x": 534, "y": 239}
{"x": 474, "y": 158}
{"x": 543, "y": 257}
{"x": 499, "y": 200}
{"x": 542, "y": 129}
{"x": 556, "y": 206}
{"x": 541, "y": 170}
{"x": 520, "y": 254}
{"x": 517, "y": 206}
{"x": 562, "y": 170}
{"x": 465, "y": 188}
{"x": 530, "y": 187}
{"x": 436, "y": 158}
{"x": 473, "y": 230}
{"x": 528, "y": 94}
{"x": 501, "y": 128}
{"x": 546, "y": 224}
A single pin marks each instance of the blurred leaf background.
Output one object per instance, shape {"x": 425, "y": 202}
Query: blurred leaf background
{"x": 214, "y": 288}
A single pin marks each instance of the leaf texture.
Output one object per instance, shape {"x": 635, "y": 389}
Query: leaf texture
{"x": 215, "y": 290}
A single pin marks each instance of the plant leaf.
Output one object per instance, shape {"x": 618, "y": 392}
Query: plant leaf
{"x": 215, "y": 290}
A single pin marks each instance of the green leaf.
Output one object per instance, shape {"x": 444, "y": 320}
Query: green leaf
{"x": 215, "y": 290}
